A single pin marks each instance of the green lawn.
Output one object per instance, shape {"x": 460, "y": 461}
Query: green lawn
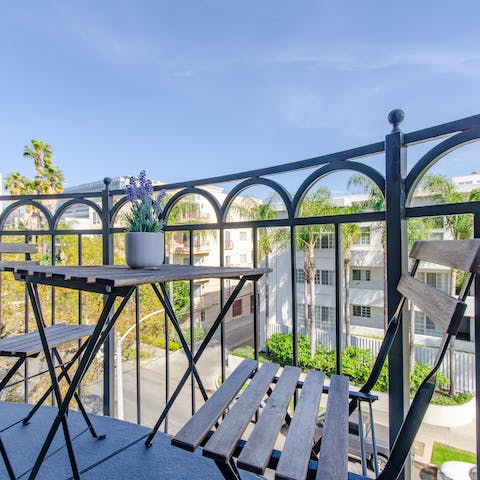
{"x": 443, "y": 453}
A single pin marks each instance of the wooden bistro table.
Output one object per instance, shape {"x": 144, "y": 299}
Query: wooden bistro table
{"x": 117, "y": 282}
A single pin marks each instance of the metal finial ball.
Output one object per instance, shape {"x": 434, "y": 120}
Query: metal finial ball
{"x": 107, "y": 181}
{"x": 395, "y": 118}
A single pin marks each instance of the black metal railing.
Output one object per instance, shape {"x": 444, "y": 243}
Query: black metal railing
{"x": 396, "y": 185}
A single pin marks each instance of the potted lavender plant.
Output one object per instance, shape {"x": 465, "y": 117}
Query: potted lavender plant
{"x": 144, "y": 240}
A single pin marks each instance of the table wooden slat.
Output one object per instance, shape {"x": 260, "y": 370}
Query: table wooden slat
{"x": 258, "y": 450}
{"x": 333, "y": 461}
{"x": 197, "y": 428}
{"x": 223, "y": 442}
{"x": 296, "y": 452}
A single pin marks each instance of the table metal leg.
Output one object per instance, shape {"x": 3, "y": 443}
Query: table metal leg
{"x": 93, "y": 346}
{"x": 53, "y": 377}
{"x": 6, "y": 460}
{"x": 196, "y": 357}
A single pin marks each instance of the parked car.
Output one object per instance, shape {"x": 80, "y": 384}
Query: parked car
{"x": 457, "y": 471}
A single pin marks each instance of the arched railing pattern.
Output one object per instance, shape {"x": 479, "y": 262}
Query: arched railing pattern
{"x": 396, "y": 186}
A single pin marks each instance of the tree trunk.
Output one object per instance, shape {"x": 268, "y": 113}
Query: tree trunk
{"x": 411, "y": 311}
{"x": 346, "y": 277}
{"x": 267, "y": 300}
{"x": 311, "y": 266}
{"x": 451, "y": 350}
{"x": 305, "y": 293}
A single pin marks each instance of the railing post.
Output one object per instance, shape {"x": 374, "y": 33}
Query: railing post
{"x": 397, "y": 241}
{"x": 476, "y": 234}
{"x": 108, "y": 348}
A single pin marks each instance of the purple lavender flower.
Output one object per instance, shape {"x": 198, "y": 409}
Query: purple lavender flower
{"x": 146, "y": 212}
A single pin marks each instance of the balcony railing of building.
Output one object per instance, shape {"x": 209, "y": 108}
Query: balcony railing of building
{"x": 397, "y": 186}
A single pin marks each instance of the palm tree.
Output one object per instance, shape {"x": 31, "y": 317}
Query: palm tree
{"x": 350, "y": 234}
{"x": 49, "y": 179}
{"x": 418, "y": 229}
{"x": 376, "y": 203}
{"x": 270, "y": 239}
{"x": 443, "y": 190}
{"x": 316, "y": 205}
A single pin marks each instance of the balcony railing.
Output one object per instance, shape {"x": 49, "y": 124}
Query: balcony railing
{"x": 396, "y": 185}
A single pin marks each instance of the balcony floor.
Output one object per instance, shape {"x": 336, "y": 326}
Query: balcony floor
{"x": 121, "y": 455}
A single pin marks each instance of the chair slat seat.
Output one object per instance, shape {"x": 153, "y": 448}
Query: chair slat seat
{"x": 256, "y": 454}
{"x": 297, "y": 459}
{"x": 197, "y": 428}
{"x": 16, "y": 263}
{"x": 29, "y": 344}
{"x": 17, "y": 248}
{"x": 332, "y": 464}
{"x": 293, "y": 463}
{"x": 223, "y": 442}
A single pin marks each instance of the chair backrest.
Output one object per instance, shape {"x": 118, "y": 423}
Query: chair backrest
{"x": 447, "y": 312}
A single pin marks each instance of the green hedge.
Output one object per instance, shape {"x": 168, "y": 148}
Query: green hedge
{"x": 357, "y": 362}
{"x": 198, "y": 334}
{"x": 159, "y": 342}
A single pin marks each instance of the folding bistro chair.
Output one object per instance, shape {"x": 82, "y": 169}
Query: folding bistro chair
{"x": 29, "y": 345}
{"x": 298, "y": 458}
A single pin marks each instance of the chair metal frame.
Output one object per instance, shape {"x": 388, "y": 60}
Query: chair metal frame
{"x": 447, "y": 310}
{"x": 22, "y": 357}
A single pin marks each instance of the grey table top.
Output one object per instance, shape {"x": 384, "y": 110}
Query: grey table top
{"x": 124, "y": 276}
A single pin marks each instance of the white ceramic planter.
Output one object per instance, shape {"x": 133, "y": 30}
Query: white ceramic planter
{"x": 144, "y": 249}
{"x": 450, "y": 416}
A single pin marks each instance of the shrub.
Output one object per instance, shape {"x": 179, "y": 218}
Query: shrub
{"x": 357, "y": 363}
{"x": 198, "y": 334}
{"x": 159, "y": 342}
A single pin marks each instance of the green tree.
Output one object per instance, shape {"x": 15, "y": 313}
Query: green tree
{"x": 418, "y": 229}
{"x": 269, "y": 240}
{"x": 443, "y": 190}
{"x": 350, "y": 234}
{"x": 317, "y": 204}
{"x": 48, "y": 179}
{"x": 375, "y": 202}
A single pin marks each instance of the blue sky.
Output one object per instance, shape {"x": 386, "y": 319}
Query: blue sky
{"x": 195, "y": 88}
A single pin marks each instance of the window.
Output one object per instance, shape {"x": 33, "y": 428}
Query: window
{"x": 324, "y": 315}
{"x": 425, "y": 326}
{"x": 243, "y": 235}
{"x": 96, "y": 218}
{"x": 361, "y": 311}
{"x": 364, "y": 238}
{"x": 361, "y": 275}
{"x": 300, "y": 275}
{"x": 435, "y": 279}
{"x": 252, "y": 303}
{"x": 186, "y": 261}
{"x": 326, "y": 240}
{"x": 327, "y": 277}
{"x": 237, "y": 307}
{"x": 301, "y": 311}
{"x": 243, "y": 258}
{"x": 228, "y": 260}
